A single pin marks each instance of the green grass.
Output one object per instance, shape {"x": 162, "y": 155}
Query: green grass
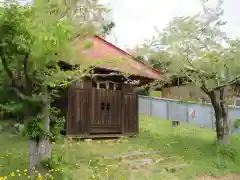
{"x": 184, "y": 144}
{"x": 155, "y": 93}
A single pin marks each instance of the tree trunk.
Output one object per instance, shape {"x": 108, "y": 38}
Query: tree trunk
{"x": 46, "y": 115}
{"x": 220, "y": 106}
{"x": 37, "y": 152}
{"x": 40, "y": 149}
{"x": 222, "y": 128}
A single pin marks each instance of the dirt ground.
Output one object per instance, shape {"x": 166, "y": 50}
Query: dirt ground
{"x": 230, "y": 177}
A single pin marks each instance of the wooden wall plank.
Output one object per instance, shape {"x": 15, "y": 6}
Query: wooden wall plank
{"x": 86, "y": 116}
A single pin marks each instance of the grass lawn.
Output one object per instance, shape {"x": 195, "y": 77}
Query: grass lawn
{"x": 155, "y": 93}
{"x": 82, "y": 160}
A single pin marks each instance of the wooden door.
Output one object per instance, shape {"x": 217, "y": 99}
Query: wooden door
{"x": 114, "y": 110}
{"x": 106, "y": 112}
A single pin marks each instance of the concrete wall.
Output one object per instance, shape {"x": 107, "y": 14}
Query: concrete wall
{"x": 190, "y": 92}
{"x": 184, "y": 92}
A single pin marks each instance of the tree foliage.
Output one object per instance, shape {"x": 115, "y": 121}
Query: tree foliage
{"x": 198, "y": 49}
{"x": 32, "y": 43}
{"x": 90, "y": 12}
{"x": 33, "y": 40}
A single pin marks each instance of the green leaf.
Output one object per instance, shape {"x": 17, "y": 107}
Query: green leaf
{"x": 88, "y": 44}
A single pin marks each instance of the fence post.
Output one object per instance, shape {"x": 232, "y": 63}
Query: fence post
{"x": 187, "y": 107}
{"x": 168, "y": 110}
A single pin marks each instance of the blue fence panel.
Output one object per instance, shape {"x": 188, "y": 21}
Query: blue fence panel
{"x": 159, "y": 108}
{"x": 178, "y": 111}
{"x": 175, "y": 110}
{"x": 203, "y": 115}
{"x": 144, "y": 105}
{"x": 234, "y": 113}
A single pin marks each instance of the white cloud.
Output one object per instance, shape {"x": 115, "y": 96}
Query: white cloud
{"x": 136, "y": 19}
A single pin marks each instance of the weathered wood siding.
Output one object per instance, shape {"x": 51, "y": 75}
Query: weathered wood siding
{"x": 102, "y": 111}
{"x": 78, "y": 112}
{"x": 130, "y": 113}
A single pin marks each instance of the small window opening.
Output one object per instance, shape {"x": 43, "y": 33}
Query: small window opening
{"x": 102, "y": 106}
{"x": 102, "y": 85}
{"x": 108, "y": 106}
{"x": 94, "y": 84}
{"x": 119, "y": 87}
{"x": 111, "y": 86}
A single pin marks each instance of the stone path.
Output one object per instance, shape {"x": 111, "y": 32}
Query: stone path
{"x": 140, "y": 163}
{"x": 138, "y": 160}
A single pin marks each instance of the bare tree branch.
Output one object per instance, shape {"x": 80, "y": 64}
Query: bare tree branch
{"x": 231, "y": 82}
{"x": 204, "y": 88}
{"x": 25, "y": 70}
{"x": 20, "y": 94}
{"x": 200, "y": 84}
{"x": 14, "y": 87}
{"x": 64, "y": 14}
{"x": 8, "y": 71}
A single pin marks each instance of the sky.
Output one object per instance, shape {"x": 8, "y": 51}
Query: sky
{"x": 135, "y": 19}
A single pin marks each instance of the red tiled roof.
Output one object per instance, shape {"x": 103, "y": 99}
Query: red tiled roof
{"x": 120, "y": 60}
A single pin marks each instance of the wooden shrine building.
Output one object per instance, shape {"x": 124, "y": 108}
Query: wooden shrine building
{"x": 105, "y": 103}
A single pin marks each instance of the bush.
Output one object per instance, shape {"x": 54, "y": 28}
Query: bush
{"x": 35, "y": 128}
{"x": 56, "y": 124}
{"x": 142, "y": 91}
{"x": 227, "y": 152}
{"x": 52, "y": 163}
{"x": 236, "y": 123}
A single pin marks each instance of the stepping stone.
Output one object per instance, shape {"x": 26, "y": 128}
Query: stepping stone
{"x": 130, "y": 154}
{"x": 174, "y": 168}
{"x": 139, "y": 163}
{"x": 159, "y": 160}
